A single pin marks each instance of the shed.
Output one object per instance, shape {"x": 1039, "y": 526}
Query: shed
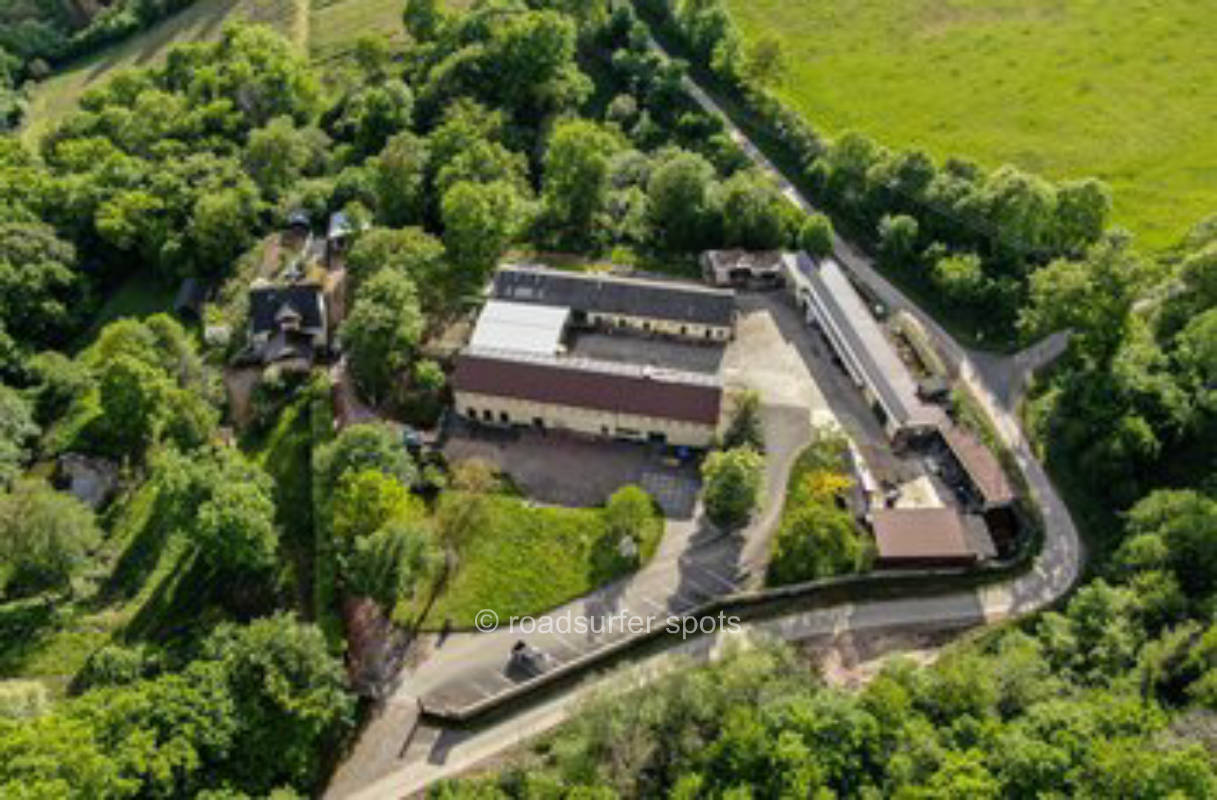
{"x": 982, "y": 468}
{"x": 299, "y": 219}
{"x": 923, "y": 537}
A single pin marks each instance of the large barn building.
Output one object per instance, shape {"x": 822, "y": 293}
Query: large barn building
{"x": 516, "y": 370}
{"x": 673, "y": 308}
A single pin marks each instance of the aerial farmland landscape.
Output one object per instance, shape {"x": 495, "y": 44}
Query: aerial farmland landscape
{"x": 1120, "y": 91}
{"x": 570, "y": 399}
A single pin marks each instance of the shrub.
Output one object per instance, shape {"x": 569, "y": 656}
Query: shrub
{"x": 733, "y": 481}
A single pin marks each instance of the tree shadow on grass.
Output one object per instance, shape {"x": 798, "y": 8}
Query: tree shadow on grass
{"x": 143, "y": 551}
{"x": 24, "y": 626}
{"x": 193, "y": 598}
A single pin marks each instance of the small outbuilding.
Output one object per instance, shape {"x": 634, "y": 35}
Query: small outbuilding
{"x": 92, "y": 481}
{"x": 743, "y": 267}
{"x": 928, "y": 537}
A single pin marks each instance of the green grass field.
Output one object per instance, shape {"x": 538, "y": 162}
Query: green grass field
{"x": 1126, "y": 92}
{"x": 56, "y": 96}
{"x": 335, "y": 26}
{"x": 527, "y": 560}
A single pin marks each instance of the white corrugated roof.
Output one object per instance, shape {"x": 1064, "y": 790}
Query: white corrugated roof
{"x": 887, "y": 374}
{"x": 522, "y": 327}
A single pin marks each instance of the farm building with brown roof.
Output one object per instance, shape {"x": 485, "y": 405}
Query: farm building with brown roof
{"x": 928, "y": 537}
{"x": 516, "y": 370}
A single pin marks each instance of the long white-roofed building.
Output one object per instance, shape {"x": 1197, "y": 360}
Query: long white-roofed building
{"x": 834, "y": 305}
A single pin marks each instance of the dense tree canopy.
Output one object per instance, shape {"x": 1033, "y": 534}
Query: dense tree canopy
{"x": 381, "y": 332}
{"x": 223, "y": 503}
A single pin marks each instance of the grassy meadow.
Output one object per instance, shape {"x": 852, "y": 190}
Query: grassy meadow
{"x": 528, "y": 559}
{"x": 336, "y": 24}
{"x": 1126, "y": 92}
{"x": 58, "y": 95}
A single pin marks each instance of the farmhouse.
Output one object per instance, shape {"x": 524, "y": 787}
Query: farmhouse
{"x": 834, "y": 306}
{"x": 612, "y": 302}
{"x": 597, "y": 398}
{"x": 287, "y": 323}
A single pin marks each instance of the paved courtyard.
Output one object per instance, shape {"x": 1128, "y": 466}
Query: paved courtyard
{"x": 568, "y": 470}
{"x": 656, "y": 351}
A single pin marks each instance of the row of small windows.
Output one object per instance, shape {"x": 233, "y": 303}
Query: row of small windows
{"x": 504, "y": 418}
{"x": 708, "y": 333}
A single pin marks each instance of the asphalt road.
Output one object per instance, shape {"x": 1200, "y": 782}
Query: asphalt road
{"x": 997, "y": 383}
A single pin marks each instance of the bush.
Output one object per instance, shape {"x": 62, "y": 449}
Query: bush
{"x": 745, "y": 429}
{"x": 815, "y": 236}
{"x": 23, "y": 699}
{"x": 45, "y": 536}
{"x": 631, "y": 512}
{"x": 733, "y": 482}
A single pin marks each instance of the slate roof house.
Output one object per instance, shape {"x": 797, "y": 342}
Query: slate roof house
{"x": 287, "y": 323}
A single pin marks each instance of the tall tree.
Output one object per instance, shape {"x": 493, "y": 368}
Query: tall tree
{"x": 45, "y": 536}
{"x": 753, "y": 212}
{"x": 400, "y": 175}
{"x": 680, "y": 197}
{"x": 479, "y": 222}
{"x": 381, "y": 332}
{"x": 42, "y": 296}
{"x": 17, "y": 432}
{"x": 1093, "y": 297}
{"x": 224, "y": 503}
{"x": 576, "y": 177}
{"x": 733, "y": 481}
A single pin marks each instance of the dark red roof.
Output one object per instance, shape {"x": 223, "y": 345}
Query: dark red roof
{"x": 981, "y": 465}
{"x": 587, "y": 385}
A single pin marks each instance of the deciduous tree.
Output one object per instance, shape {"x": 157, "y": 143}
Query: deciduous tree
{"x": 381, "y": 332}
{"x": 45, "y": 537}
{"x": 733, "y": 481}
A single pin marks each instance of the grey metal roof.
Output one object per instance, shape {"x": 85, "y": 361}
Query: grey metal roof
{"x": 613, "y": 294}
{"x": 520, "y": 326}
{"x": 886, "y": 374}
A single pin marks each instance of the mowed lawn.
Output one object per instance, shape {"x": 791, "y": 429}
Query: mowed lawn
{"x": 528, "y": 559}
{"x": 58, "y": 95}
{"x": 1123, "y": 91}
